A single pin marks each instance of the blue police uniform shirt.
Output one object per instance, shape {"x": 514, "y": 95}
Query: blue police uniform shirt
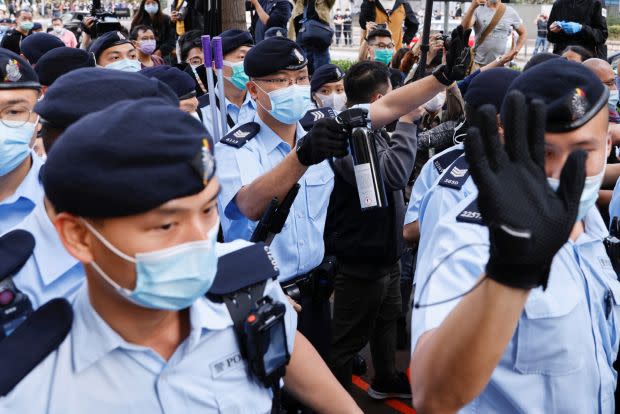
{"x": 561, "y": 355}
{"x": 299, "y": 248}
{"x": 614, "y": 204}
{"x": 240, "y": 116}
{"x": 51, "y": 271}
{"x": 96, "y": 371}
{"x": 17, "y": 206}
{"x": 425, "y": 181}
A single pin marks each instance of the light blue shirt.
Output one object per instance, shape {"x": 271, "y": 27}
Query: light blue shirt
{"x": 17, "y": 206}
{"x": 51, "y": 271}
{"x": 95, "y": 371}
{"x": 614, "y": 204}
{"x": 560, "y": 357}
{"x": 299, "y": 248}
{"x": 240, "y": 116}
{"x": 425, "y": 181}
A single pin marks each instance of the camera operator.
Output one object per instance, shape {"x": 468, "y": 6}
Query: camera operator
{"x": 267, "y": 14}
{"x": 368, "y": 245}
{"x": 13, "y": 38}
{"x": 186, "y": 15}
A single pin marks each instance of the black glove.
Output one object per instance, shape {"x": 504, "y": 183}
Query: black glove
{"x": 458, "y": 58}
{"x": 528, "y": 222}
{"x": 326, "y": 139}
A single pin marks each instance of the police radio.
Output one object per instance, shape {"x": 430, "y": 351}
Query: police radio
{"x": 612, "y": 245}
{"x": 368, "y": 177}
{"x": 15, "y": 307}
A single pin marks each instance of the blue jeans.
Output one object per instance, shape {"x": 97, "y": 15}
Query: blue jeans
{"x": 316, "y": 58}
{"x": 541, "y": 42}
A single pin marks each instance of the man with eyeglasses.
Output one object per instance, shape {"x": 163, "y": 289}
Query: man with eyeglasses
{"x": 380, "y": 46}
{"x": 20, "y": 189}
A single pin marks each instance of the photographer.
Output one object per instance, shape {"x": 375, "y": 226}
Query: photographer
{"x": 267, "y": 14}
{"x": 368, "y": 245}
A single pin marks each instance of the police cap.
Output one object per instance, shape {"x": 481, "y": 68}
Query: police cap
{"x": 325, "y": 74}
{"x": 539, "y": 58}
{"x": 572, "y": 93}
{"x": 275, "y": 31}
{"x": 273, "y": 55}
{"x": 108, "y": 164}
{"x": 180, "y": 82}
{"x": 235, "y": 38}
{"x": 106, "y": 41}
{"x": 489, "y": 87}
{"x": 16, "y": 73}
{"x": 61, "y": 60}
{"x": 87, "y": 90}
{"x": 37, "y": 44}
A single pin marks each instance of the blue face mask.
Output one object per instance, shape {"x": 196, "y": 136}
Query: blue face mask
{"x": 239, "y": 79}
{"x": 125, "y": 65}
{"x": 290, "y": 104}
{"x": 14, "y": 144}
{"x": 151, "y": 8}
{"x": 612, "y": 103}
{"x": 169, "y": 279}
{"x": 589, "y": 194}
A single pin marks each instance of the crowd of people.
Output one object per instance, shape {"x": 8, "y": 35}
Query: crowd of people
{"x": 179, "y": 239}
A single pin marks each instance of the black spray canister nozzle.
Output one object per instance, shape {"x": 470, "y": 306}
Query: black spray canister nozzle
{"x": 368, "y": 175}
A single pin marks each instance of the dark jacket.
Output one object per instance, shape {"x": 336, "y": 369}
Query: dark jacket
{"x": 279, "y": 12}
{"x": 164, "y": 32}
{"x": 371, "y": 240}
{"x": 375, "y": 12}
{"x": 194, "y": 18}
{"x": 12, "y": 41}
{"x": 594, "y": 26}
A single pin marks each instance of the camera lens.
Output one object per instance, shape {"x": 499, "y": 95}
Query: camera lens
{"x": 6, "y": 297}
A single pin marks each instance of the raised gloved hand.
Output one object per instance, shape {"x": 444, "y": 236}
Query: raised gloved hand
{"x": 528, "y": 222}
{"x": 326, "y": 139}
{"x": 458, "y": 58}
{"x": 570, "y": 27}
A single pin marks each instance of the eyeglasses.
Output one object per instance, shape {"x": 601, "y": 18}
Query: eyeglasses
{"x": 15, "y": 116}
{"x": 610, "y": 83}
{"x": 382, "y": 45}
{"x": 284, "y": 82}
{"x": 196, "y": 61}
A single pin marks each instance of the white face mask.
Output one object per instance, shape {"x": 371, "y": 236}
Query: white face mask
{"x": 336, "y": 101}
{"x": 589, "y": 194}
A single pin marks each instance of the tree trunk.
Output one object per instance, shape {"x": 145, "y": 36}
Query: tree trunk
{"x": 233, "y": 15}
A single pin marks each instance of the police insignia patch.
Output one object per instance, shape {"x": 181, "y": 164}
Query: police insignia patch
{"x": 578, "y": 104}
{"x": 121, "y": 36}
{"x": 12, "y": 71}
{"x": 298, "y": 55}
{"x": 204, "y": 162}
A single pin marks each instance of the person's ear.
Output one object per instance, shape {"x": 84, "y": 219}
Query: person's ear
{"x": 75, "y": 236}
{"x": 252, "y": 89}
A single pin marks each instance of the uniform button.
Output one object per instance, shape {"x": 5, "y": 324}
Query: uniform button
{"x": 301, "y": 243}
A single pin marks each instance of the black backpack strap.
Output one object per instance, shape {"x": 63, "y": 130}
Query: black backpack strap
{"x": 36, "y": 338}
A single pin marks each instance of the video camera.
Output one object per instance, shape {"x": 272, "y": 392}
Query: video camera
{"x": 103, "y": 21}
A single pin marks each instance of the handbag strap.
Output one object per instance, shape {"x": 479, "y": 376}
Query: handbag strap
{"x": 497, "y": 16}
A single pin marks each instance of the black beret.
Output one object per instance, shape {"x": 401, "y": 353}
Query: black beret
{"x": 180, "y": 82}
{"x": 571, "y": 92}
{"x": 16, "y": 73}
{"x": 106, "y": 41}
{"x": 6, "y": 20}
{"x": 540, "y": 58}
{"x": 273, "y": 55}
{"x": 128, "y": 159}
{"x": 61, "y": 60}
{"x": 87, "y": 90}
{"x": 234, "y": 38}
{"x": 36, "y": 26}
{"x": 275, "y": 31}
{"x": 325, "y": 74}
{"x": 37, "y": 44}
{"x": 490, "y": 87}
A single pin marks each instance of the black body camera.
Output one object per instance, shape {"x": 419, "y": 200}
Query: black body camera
{"x": 15, "y": 307}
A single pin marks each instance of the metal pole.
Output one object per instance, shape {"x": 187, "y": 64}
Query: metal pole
{"x": 428, "y": 14}
{"x": 446, "y": 18}
{"x": 219, "y": 65}
{"x": 206, "y": 50}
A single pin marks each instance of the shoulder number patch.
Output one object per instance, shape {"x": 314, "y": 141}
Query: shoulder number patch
{"x": 456, "y": 175}
{"x": 240, "y": 136}
{"x": 471, "y": 214}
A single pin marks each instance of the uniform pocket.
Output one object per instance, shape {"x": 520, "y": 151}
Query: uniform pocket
{"x": 319, "y": 185}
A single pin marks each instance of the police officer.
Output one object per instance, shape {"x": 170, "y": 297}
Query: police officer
{"x": 114, "y": 50}
{"x": 180, "y": 82}
{"x": 144, "y": 338}
{"x": 20, "y": 189}
{"x": 37, "y": 44}
{"x": 521, "y": 344}
{"x": 327, "y": 88}
{"x": 59, "y": 61}
{"x": 52, "y": 272}
{"x": 240, "y": 108}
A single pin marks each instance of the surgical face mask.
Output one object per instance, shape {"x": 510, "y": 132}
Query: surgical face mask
{"x": 436, "y": 103}
{"x": 170, "y": 279}
{"x": 125, "y": 65}
{"x": 336, "y": 101}
{"x": 384, "y": 55}
{"x": 14, "y": 144}
{"x": 58, "y": 30}
{"x": 612, "y": 103}
{"x": 239, "y": 79}
{"x": 151, "y": 8}
{"x": 589, "y": 194}
{"x": 290, "y": 104}
{"x": 26, "y": 26}
{"x": 147, "y": 46}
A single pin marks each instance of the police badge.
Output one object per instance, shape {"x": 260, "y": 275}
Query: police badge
{"x": 578, "y": 104}
{"x": 12, "y": 71}
{"x": 204, "y": 162}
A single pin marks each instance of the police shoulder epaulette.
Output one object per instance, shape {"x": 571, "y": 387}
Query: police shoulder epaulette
{"x": 471, "y": 214}
{"x": 240, "y": 136}
{"x": 444, "y": 160}
{"x": 32, "y": 341}
{"x": 243, "y": 268}
{"x": 456, "y": 175}
{"x": 314, "y": 115}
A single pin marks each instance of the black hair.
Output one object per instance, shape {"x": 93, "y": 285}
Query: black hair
{"x": 49, "y": 135}
{"x": 539, "y": 58}
{"x": 56, "y": 19}
{"x": 189, "y": 41}
{"x": 378, "y": 33}
{"x": 156, "y": 20}
{"x": 18, "y": 13}
{"x": 136, "y": 31}
{"x": 398, "y": 57}
{"x": 364, "y": 80}
{"x": 580, "y": 50}
{"x": 397, "y": 78}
